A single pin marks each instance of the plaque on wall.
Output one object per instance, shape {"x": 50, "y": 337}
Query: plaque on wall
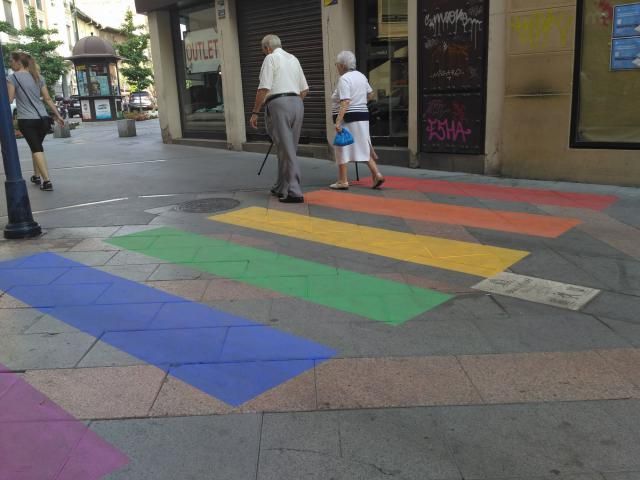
{"x": 453, "y": 44}
{"x": 453, "y": 123}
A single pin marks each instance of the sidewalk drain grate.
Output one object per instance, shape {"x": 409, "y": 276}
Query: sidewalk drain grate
{"x": 208, "y": 205}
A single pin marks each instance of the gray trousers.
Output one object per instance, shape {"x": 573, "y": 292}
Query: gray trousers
{"x": 285, "y": 115}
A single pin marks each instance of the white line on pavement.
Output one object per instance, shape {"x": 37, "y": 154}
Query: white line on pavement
{"x": 84, "y": 205}
{"x": 161, "y": 196}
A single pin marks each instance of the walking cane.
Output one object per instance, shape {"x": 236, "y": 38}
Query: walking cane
{"x": 357, "y": 173}
{"x": 265, "y": 158}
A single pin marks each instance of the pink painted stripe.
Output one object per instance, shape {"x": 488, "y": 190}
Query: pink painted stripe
{"x": 496, "y": 192}
{"x": 40, "y": 441}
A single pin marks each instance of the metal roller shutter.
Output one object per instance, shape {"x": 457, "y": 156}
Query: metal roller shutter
{"x": 299, "y": 25}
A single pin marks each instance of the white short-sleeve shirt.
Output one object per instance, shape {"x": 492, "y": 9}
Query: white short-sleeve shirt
{"x": 281, "y": 73}
{"x": 352, "y": 86}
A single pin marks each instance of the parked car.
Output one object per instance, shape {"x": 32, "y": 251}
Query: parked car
{"x": 73, "y": 106}
{"x": 141, "y": 101}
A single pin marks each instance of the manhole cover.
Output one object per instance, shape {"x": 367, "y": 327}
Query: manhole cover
{"x": 208, "y": 205}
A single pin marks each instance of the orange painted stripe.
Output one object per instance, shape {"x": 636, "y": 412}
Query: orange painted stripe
{"x": 524, "y": 223}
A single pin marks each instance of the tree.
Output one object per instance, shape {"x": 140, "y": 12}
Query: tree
{"x": 134, "y": 51}
{"x": 37, "y": 42}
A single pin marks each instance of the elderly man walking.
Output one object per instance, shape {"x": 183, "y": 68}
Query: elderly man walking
{"x": 282, "y": 89}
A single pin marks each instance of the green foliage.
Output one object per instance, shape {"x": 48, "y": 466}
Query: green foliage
{"x": 36, "y": 41}
{"x": 134, "y": 51}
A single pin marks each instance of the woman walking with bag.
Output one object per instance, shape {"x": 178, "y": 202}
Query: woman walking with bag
{"x": 350, "y": 111}
{"x": 27, "y": 86}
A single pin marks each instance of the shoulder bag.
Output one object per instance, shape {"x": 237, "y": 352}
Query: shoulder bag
{"x": 47, "y": 121}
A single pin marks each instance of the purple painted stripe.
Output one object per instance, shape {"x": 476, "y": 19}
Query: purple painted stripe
{"x": 41, "y": 441}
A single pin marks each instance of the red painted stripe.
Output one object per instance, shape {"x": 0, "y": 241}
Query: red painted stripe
{"x": 39, "y": 440}
{"x": 523, "y": 223}
{"x": 534, "y": 196}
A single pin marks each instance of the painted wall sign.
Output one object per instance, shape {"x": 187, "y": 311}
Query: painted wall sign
{"x": 201, "y": 51}
{"x": 453, "y": 35}
{"x": 626, "y": 20}
{"x": 625, "y": 53}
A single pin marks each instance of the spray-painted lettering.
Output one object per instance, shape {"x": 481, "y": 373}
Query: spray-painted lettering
{"x": 450, "y": 21}
{"x": 537, "y": 29}
{"x": 450, "y": 130}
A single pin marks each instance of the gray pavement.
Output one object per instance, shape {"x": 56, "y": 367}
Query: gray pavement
{"x": 483, "y": 387}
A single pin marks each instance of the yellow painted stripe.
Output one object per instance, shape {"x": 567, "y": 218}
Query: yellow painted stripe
{"x": 465, "y": 257}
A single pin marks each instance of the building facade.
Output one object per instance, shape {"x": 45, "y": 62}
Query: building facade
{"x": 523, "y": 88}
{"x": 71, "y": 23}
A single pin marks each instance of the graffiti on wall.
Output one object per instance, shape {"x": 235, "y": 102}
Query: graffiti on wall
{"x": 453, "y": 44}
{"x": 538, "y": 30}
{"x": 452, "y": 122}
{"x": 453, "y": 34}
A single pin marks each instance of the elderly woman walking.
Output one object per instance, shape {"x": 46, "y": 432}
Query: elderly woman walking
{"x": 350, "y": 110}
{"x": 26, "y": 85}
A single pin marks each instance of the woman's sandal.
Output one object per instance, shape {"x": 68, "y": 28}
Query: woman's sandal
{"x": 378, "y": 181}
{"x": 46, "y": 186}
{"x": 339, "y": 186}
{"x": 35, "y": 179}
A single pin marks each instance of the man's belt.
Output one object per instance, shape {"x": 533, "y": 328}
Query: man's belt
{"x": 278, "y": 95}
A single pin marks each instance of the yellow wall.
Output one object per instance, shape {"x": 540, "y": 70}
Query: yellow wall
{"x": 537, "y": 107}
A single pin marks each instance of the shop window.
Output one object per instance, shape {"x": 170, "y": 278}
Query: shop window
{"x": 97, "y": 80}
{"x": 607, "y": 75}
{"x": 382, "y": 37}
{"x": 198, "y": 60}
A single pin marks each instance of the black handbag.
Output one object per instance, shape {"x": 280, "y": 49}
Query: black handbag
{"x": 47, "y": 121}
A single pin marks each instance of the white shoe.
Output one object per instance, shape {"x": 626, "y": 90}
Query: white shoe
{"x": 339, "y": 186}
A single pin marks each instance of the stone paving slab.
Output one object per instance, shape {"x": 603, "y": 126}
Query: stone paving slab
{"x": 628, "y": 330}
{"x": 354, "y": 445}
{"x": 614, "y": 233}
{"x": 546, "y": 377}
{"x": 177, "y": 398}
{"x": 612, "y": 305}
{"x": 93, "y": 245}
{"x": 443, "y": 333}
{"x": 136, "y": 273}
{"x": 104, "y": 355}
{"x": 551, "y": 331}
{"x": 17, "y": 321}
{"x": 190, "y": 289}
{"x": 390, "y": 382}
{"x": 105, "y": 393}
{"x": 186, "y": 447}
{"x": 618, "y": 275}
{"x": 529, "y": 440}
{"x": 81, "y": 232}
{"x": 40, "y": 351}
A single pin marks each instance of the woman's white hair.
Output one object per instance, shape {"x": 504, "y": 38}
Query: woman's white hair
{"x": 272, "y": 42}
{"x": 347, "y": 58}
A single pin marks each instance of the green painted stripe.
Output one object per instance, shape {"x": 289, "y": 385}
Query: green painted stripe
{"x": 364, "y": 295}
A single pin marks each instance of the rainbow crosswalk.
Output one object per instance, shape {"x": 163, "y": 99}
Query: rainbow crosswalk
{"x": 454, "y": 255}
{"x": 235, "y": 359}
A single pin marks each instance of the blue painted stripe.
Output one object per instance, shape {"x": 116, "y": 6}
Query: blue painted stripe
{"x": 228, "y": 357}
